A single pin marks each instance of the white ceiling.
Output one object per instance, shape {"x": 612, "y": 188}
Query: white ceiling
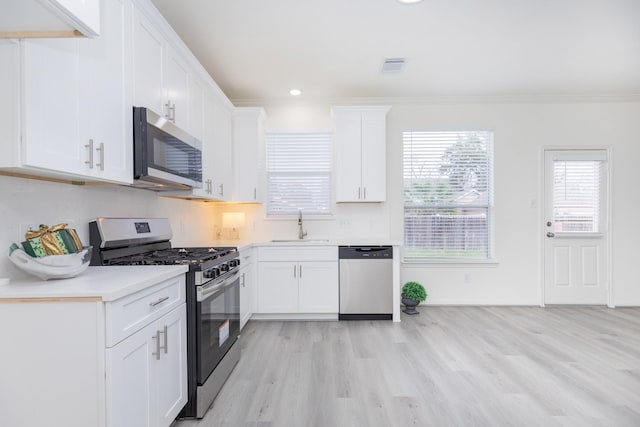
{"x": 257, "y": 50}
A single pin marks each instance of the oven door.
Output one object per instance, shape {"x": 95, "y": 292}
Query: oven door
{"x": 217, "y": 322}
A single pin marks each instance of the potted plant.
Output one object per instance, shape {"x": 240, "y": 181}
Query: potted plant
{"x": 413, "y": 293}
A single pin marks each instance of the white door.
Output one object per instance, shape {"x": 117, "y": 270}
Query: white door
{"x": 576, "y": 227}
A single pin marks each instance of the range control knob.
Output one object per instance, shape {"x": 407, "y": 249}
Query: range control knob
{"x": 234, "y": 263}
{"x": 211, "y": 273}
{"x": 224, "y": 267}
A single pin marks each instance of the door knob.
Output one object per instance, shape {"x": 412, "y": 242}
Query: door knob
{"x": 550, "y": 234}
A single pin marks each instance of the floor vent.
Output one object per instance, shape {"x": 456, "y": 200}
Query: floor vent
{"x": 393, "y": 65}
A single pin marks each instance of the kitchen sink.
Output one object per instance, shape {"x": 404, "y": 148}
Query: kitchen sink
{"x": 300, "y": 240}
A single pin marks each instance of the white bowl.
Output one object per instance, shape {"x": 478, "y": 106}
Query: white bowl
{"x": 51, "y": 266}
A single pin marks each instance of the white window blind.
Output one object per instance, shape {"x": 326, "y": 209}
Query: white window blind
{"x": 298, "y": 173}
{"x": 576, "y": 196}
{"x": 448, "y": 195}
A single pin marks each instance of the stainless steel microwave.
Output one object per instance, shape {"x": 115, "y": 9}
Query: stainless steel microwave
{"x": 164, "y": 156}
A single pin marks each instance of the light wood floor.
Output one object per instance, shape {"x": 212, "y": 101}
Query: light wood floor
{"x": 448, "y": 366}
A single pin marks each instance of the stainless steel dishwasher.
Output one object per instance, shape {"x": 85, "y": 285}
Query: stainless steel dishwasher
{"x": 366, "y": 282}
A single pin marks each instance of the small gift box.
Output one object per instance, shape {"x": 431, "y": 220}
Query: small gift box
{"x": 55, "y": 240}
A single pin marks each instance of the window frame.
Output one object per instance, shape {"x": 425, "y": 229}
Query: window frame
{"x": 489, "y": 259}
{"x": 327, "y": 135}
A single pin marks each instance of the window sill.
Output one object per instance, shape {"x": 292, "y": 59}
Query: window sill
{"x": 445, "y": 263}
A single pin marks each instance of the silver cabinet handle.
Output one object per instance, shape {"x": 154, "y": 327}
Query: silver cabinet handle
{"x": 300, "y": 270}
{"x": 168, "y": 106}
{"x": 159, "y": 301}
{"x": 171, "y": 111}
{"x": 364, "y": 192}
{"x": 101, "y": 150}
{"x": 255, "y": 193}
{"x": 221, "y": 189}
{"x": 359, "y": 193}
{"x": 166, "y": 340}
{"x": 294, "y": 271}
{"x": 90, "y": 147}
{"x": 243, "y": 280}
{"x": 157, "y": 352}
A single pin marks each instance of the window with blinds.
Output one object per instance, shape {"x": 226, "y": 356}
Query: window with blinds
{"x": 298, "y": 166}
{"x": 448, "y": 195}
{"x": 576, "y": 196}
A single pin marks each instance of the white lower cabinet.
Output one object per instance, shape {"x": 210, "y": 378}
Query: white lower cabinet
{"x": 294, "y": 280}
{"x": 246, "y": 285}
{"x": 81, "y": 361}
{"x": 146, "y": 374}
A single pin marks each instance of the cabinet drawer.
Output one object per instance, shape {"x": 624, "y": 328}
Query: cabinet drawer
{"x": 298, "y": 253}
{"x": 133, "y": 312}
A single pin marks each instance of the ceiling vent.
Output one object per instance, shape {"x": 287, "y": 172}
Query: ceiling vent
{"x": 393, "y": 65}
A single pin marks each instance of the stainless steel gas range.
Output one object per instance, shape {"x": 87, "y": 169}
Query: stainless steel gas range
{"x": 213, "y": 296}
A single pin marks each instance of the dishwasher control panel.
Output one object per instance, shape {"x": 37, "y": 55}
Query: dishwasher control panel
{"x": 355, "y": 252}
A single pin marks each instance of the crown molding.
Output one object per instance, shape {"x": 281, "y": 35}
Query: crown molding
{"x": 547, "y": 98}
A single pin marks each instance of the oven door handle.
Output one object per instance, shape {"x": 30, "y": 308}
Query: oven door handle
{"x": 206, "y": 290}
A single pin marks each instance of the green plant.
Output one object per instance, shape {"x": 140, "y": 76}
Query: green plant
{"x": 414, "y": 291}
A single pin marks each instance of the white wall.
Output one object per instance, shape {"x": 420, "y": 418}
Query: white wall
{"x": 26, "y": 201}
{"x": 520, "y": 133}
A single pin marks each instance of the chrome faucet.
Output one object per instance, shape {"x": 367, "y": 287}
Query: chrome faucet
{"x": 301, "y": 232}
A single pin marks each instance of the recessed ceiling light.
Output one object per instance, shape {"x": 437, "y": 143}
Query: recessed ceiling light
{"x": 409, "y": 1}
{"x": 295, "y": 92}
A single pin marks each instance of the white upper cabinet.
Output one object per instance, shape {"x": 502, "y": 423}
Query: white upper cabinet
{"x": 50, "y": 18}
{"x": 105, "y": 115}
{"x": 221, "y": 121}
{"x": 217, "y": 168}
{"x": 161, "y": 76}
{"x": 148, "y": 63}
{"x": 73, "y": 123}
{"x": 197, "y": 93}
{"x": 248, "y": 146}
{"x": 360, "y": 138}
{"x": 50, "y": 122}
{"x": 176, "y": 90}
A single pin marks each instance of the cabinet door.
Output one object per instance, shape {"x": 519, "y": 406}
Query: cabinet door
{"x": 176, "y": 89}
{"x": 196, "y": 108}
{"x": 131, "y": 380}
{"x": 318, "y": 287}
{"x": 222, "y": 149}
{"x": 348, "y": 157}
{"x": 10, "y": 108}
{"x": 374, "y": 147}
{"x": 248, "y": 147}
{"x": 50, "y": 103}
{"x": 208, "y": 147}
{"x": 278, "y": 287}
{"x": 246, "y": 290}
{"x": 171, "y": 368}
{"x": 148, "y": 63}
{"x": 105, "y": 117}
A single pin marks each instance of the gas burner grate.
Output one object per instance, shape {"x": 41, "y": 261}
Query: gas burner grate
{"x": 171, "y": 256}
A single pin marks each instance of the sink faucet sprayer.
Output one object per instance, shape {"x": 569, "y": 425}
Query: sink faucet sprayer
{"x": 301, "y": 232}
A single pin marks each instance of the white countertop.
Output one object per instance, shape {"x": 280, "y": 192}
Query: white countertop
{"x": 106, "y": 283}
{"x": 241, "y": 244}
